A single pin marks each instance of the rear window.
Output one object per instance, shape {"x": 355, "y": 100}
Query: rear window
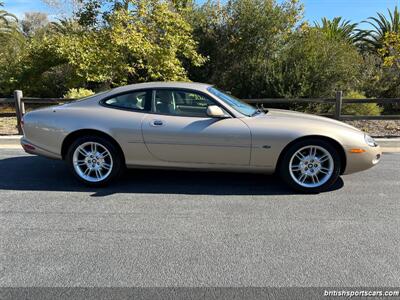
{"x": 132, "y": 100}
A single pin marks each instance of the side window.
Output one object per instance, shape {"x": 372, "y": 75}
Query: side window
{"x": 133, "y": 100}
{"x": 181, "y": 103}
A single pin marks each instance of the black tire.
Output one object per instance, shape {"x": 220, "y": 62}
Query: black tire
{"x": 287, "y": 156}
{"x": 117, "y": 159}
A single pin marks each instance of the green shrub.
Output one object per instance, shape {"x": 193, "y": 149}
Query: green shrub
{"x": 356, "y": 109}
{"x": 360, "y": 109}
{"x": 78, "y": 93}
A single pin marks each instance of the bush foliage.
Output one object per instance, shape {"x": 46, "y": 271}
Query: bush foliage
{"x": 253, "y": 48}
{"x": 78, "y": 93}
{"x": 361, "y": 109}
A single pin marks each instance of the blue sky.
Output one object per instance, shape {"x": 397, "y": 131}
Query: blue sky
{"x": 19, "y": 7}
{"x": 354, "y": 10}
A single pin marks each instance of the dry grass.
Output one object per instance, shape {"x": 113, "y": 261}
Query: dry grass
{"x": 8, "y": 125}
{"x": 7, "y": 108}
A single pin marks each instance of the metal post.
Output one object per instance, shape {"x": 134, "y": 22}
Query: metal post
{"x": 19, "y": 109}
{"x": 338, "y": 104}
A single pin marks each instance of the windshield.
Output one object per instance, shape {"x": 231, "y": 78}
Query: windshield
{"x": 234, "y": 102}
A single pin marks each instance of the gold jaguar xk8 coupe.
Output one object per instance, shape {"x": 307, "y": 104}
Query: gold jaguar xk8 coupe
{"x": 194, "y": 126}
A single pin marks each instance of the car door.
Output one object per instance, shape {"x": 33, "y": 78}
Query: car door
{"x": 179, "y": 130}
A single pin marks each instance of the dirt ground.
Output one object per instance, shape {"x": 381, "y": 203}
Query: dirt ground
{"x": 378, "y": 128}
{"x": 8, "y": 125}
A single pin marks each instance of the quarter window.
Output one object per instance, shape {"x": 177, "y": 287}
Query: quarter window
{"x": 181, "y": 103}
{"x": 133, "y": 100}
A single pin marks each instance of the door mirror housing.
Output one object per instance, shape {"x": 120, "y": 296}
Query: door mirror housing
{"x": 215, "y": 111}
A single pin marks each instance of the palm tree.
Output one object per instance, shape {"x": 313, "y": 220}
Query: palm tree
{"x": 9, "y": 27}
{"x": 382, "y": 25}
{"x": 8, "y": 22}
{"x": 6, "y": 17}
{"x": 339, "y": 29}
{"x": 65, "y": 26}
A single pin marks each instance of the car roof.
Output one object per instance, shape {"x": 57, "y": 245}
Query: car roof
{"x": 162, "y": 84}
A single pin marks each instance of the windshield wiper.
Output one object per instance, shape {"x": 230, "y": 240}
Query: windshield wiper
{"x": 256, "y": 112}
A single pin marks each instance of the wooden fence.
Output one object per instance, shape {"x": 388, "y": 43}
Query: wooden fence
{"x": 19, "y": 102}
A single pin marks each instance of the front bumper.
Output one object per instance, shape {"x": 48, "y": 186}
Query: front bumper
{"x": 357, "y": 162}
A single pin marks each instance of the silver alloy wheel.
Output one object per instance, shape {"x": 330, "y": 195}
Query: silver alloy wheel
{"x": 311, "y": 166}
{"x": 92, "y": 161}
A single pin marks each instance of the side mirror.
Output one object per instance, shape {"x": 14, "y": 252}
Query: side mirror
{"x": 215, "y": 111}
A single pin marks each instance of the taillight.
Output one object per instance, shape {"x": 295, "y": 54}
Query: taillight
{"x": 28, "y": 147}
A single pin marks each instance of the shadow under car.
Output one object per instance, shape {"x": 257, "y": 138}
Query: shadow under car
{"x": 34, "y": 173}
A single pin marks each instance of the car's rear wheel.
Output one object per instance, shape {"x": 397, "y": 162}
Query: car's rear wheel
{"x": 311, "y": 166}
{"x": 94, "y": 160}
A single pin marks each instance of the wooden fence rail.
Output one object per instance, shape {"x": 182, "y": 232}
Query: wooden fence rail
{"x": 19, "y": 102}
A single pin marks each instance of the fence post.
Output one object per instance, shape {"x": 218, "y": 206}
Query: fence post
{"x": 338, "y": 104}
{"x": 19, "y": 109}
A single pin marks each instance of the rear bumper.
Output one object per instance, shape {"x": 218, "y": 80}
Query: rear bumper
{"x": 34, "y": 149}
{"x": 357, "y": 162}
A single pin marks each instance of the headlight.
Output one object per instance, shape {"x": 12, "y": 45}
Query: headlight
{"x": 370, "y": 141}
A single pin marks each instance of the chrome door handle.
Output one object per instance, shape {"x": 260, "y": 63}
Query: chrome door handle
{"x": 157, "y": 123}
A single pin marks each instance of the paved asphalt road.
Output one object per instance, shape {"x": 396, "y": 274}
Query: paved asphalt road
{"x": 165, "y": 228}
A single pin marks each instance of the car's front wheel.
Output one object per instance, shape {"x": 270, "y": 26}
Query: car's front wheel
{"x": 311, "y": 166}
{"x": 94, "y": 160}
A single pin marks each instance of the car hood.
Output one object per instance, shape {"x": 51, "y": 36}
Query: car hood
{"x": 300, "y": 119}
